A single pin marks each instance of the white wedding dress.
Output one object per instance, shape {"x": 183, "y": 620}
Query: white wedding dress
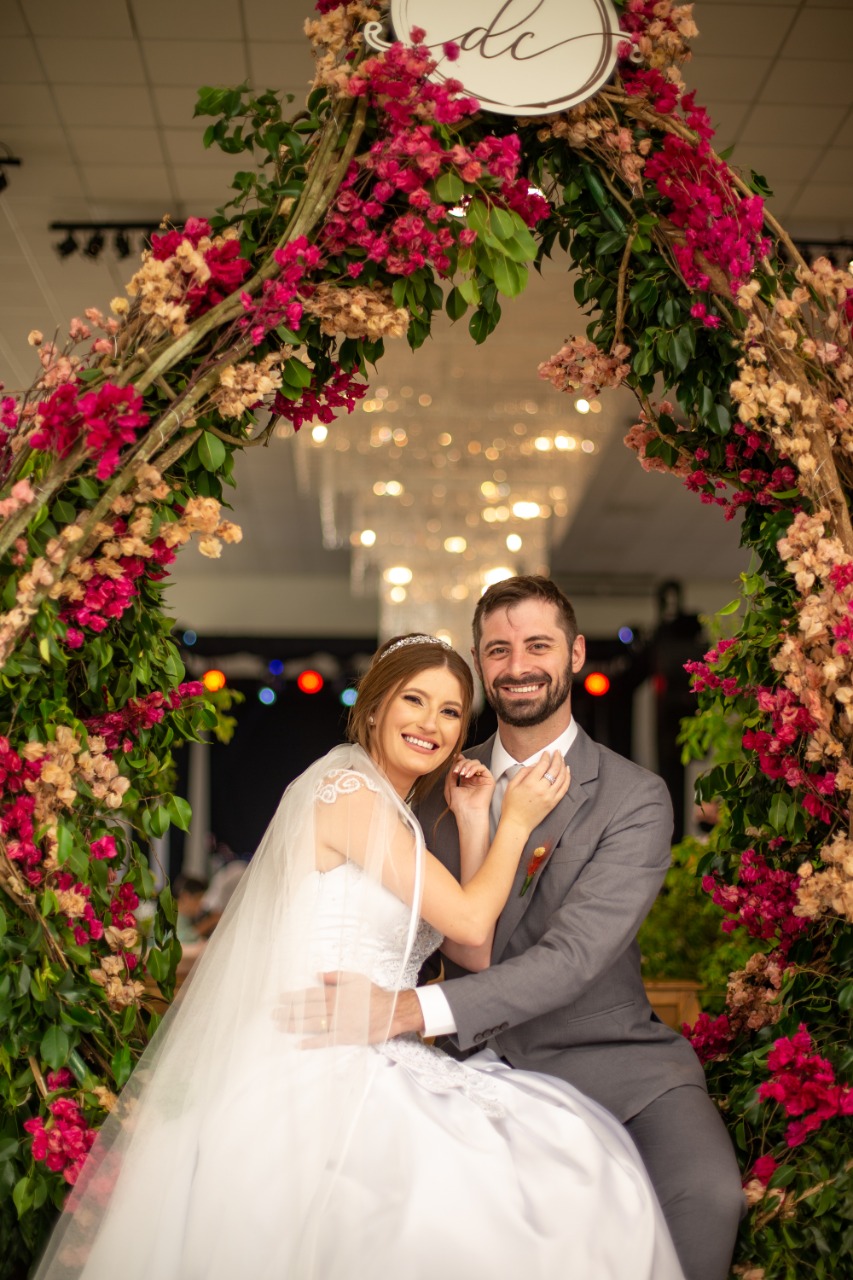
{"x": 394, "y": 1162}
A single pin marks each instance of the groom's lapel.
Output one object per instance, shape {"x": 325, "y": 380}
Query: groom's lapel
{"x": 582, "y": 759}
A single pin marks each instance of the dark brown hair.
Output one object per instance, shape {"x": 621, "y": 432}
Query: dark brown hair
{"x": 387, "y": 673}
{"x": 512, "y": 591}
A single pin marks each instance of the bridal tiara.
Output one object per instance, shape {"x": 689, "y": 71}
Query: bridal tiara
{"x": 414, "y": 640}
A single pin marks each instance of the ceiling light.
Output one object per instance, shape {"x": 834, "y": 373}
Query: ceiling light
{"x": 513, "y": 542}
{"x": 319, "y": 433}
{"x": 543, "y": 444}
{"x": 95, "y": 245}
{"x": 587, "y": 446}
{"x": 367, "y": 537}
{"x": 397, "y": 594}
{"x": 582, "y": 406}
{"x": 398, "y": 575}
{"x": 491, "y": 576}
{"x": 394, "y": 488}
{"x": 525, "y": 510}
{"x": 455, "y": 545}
{"x": 67, "y": 246}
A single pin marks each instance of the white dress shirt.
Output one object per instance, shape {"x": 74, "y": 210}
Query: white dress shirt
{"x": 437, "y": 1014}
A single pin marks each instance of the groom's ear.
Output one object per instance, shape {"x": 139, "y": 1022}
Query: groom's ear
{"x": 476, "y": 658}
{"x": 578, "y": 654}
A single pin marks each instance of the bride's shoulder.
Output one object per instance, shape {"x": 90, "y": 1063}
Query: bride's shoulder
{"x": 335, "y": 783}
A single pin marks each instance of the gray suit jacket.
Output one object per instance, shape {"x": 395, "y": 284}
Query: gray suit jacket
{"x": 564, "y": 994}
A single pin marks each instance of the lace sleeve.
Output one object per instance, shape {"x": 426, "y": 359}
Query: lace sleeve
{"x": 341, "y": 782}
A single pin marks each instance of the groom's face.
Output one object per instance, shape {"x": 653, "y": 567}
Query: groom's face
{"x": 526, "y": 663}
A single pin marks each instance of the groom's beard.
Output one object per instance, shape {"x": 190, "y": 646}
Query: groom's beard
{"x": 535, "y": 709}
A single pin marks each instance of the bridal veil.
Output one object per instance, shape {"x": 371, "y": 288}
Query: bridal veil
{"x": 220, "y": 1065}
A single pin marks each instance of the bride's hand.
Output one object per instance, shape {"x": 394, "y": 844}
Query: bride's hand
{"x": 535, "y": 790}
{"x": 468, "y": 789}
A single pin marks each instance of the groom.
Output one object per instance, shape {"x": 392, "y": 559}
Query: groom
{"x": 564, "y": 994}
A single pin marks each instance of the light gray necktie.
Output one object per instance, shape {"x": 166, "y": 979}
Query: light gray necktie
{"x": 498, "y": 797}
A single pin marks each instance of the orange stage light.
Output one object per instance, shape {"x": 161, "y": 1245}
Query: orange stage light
{"x": 310, "y": 681}
{"x": 597, "y": 683}
{"x": 214, "y": 680}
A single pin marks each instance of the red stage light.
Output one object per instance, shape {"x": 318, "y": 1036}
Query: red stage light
{"x": 597, "y": 683}
{"x": 310, "y": 681}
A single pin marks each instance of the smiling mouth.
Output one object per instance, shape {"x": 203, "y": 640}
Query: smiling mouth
{"x": 521, "y": 688}
{"x": 421, "y": 743}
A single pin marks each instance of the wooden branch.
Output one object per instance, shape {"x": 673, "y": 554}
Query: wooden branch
{"x": 37, "y": 1076}
{"x": 621, "y": 285}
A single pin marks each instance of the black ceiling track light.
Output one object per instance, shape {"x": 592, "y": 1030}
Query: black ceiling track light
{"x": 91, "y": 238}
{"x": 6, "y": 159}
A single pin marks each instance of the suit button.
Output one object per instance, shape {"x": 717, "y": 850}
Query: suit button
{"x": 481, "y": 1035}
{"x": 503, "y": 1026}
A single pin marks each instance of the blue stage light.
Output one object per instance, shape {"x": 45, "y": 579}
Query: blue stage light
{"x": 349, "y": 696}
{"x": 190, "y": 637}
{"x": 276, "y": 667}
{"x": 267, "y": 696}
{"x": 625, "y": 634}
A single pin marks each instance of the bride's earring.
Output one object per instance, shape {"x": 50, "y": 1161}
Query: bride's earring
{"x": 371, "y": 721}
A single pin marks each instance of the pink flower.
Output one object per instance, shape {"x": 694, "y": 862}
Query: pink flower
{"x": 764, "y": 1168}
{"x": 105, "y": 847}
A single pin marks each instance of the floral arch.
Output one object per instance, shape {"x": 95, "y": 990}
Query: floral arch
{"x": 345, "y": 220}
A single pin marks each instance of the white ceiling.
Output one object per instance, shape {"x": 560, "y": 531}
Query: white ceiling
{"x": 97, "y": 100}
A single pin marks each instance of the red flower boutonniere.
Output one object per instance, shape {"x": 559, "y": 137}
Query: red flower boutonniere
{"x": 539, "y": 855}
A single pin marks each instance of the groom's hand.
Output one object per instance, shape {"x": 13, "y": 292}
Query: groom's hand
{"x": 348, "y": 1009}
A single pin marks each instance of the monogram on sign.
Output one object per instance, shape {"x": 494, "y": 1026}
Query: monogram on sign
{"x": 517, "y": 57}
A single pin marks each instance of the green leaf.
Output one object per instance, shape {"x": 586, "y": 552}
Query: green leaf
{"x": 211, "y": 451}
{"x": 121, "y": 1065}
{"x": 23, "y": 1195}
{"x": 477, "y": 216}
{"x": 845, "y": 997}
{"x": 156, "y": 821}
{"x": 450, "y": 188}
{"x": 8, "y": 1148}
{"x": 180, "y": 811}
{"x": 54, "y": 1047}
{"x": 731, "y": 607}
{"x": 483, "y": 322}
{"x": 296, "y": 373}
{"x": 510, "y": 277}
{"x": 609, "y": 243}
{"x": 785, "y": 1174}
{"x": 778, "y": 812}
{"x": 157, "y": 964}
{"x": 502, "y": 224}
{"x": 470, "y": 290}
{"x": 681, "y": 350}
{"x": 456, "y": 306}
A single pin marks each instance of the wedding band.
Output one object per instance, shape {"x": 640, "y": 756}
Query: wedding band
{"x": 549, "y": 777}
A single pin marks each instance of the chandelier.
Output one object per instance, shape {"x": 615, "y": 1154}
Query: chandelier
{"x": 437, "y": 502}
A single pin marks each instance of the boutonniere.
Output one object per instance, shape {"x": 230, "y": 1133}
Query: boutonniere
{"x": 538, "y": 856}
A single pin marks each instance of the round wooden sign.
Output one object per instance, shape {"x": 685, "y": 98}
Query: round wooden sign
{"x": 518, "y": 57}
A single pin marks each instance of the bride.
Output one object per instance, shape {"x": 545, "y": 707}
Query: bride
{"x": 237, "y": 1150}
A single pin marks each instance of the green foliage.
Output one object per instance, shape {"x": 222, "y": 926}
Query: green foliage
{"x": 681, "y": 936}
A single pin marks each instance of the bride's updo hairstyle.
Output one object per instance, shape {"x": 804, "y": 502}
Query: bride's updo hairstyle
{"x": 393, "y": 665}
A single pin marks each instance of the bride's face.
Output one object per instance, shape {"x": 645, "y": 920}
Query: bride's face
{"x": 418, "y": 727}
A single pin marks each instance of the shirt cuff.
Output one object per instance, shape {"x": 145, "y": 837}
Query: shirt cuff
{"x": 437, "y": 1015}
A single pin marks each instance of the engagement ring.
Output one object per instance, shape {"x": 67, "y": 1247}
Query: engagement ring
{"x": 549, "y": 777}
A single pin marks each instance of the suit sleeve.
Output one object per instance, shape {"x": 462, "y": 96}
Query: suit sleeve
{"x": 596, "y": 921}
